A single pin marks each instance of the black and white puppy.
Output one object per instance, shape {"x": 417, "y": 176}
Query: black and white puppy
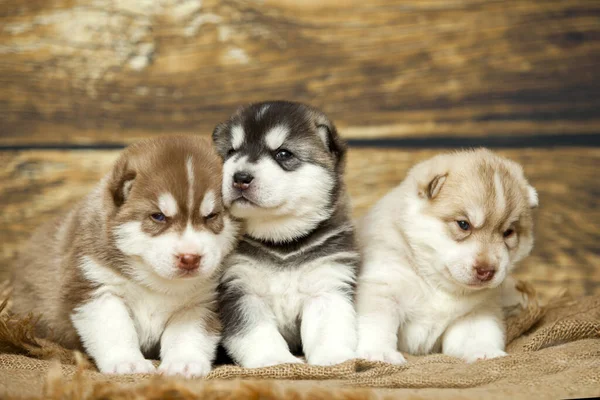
{"x": 289, "y": 286}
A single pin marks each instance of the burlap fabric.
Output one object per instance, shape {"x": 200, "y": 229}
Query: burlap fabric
{"x": 554, "y": 353}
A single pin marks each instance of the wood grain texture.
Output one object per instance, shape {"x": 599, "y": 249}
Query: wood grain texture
{"x": 111, "y": 71}
{"x": 37, "y": 185}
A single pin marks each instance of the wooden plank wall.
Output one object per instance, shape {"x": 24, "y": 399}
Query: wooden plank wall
{"x": 80, "y": 78}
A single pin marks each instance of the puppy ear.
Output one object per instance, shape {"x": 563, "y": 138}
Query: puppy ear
{"x": 220, "y": 139}
{"x": 328, "y": 134}
{"x": 532, "y": 197}
{"x": 433, "y": 187}
{"x": 121, "y": 182}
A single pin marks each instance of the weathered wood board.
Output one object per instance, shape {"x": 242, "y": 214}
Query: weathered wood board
{"x": 112, "y": 71}
{"x": 38, "y": 185}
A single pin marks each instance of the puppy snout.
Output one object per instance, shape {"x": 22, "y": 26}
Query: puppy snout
{"x": 242, "y": 180}
{"x": 188, "y": 262}
{"x": 485, "y": 273}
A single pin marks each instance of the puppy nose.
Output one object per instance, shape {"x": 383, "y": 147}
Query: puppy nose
{"x": 188, "y": 262}
{"x": 485, "y": 273}
{"x": 242, "y": 180}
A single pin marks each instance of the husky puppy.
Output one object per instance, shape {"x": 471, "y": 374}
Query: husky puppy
{"x": 437, "y": 252}
{"x": 289, "y": 286}
{"x": 130, "y": 270}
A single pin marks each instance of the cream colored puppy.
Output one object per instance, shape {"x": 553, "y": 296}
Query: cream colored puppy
{"x": 437, "y": 253}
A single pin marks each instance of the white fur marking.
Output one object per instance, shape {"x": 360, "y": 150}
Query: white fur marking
{"x": 167, "y": 204}
{"x": 190, "y": 176}
{"x": 499, "y": 189}
{"x": 476, "y": 216}
{"x": 237, "y": 136}
{"x": 208, "y": 203}
{"x": 276, "y": 136}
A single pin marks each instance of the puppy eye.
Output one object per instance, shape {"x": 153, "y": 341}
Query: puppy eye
{"x": 464, "y": 225}
{"x": 211, "y": 216}
{"x": 283, "y": 155}
{"x": 508, "y": 233}
{"x": 158, "y": 217}
{"x": 230, "y": 152}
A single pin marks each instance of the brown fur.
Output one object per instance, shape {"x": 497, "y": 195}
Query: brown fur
{"x": 18, "y": 336}
{"x": 462, "y": 184}
{"x": 47, "y": 280}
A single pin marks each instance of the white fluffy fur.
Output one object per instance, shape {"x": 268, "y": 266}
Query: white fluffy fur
{"x": 190, "y": 178}
{"x": 533, "y": 197}
{"x": 276, "y": 136}
{"x": 125, "y": 317}
{"x": 415, "y": 290}
{"x": 128, "y": 314}
{"x": 208, "y": 203}
{"x": 290, "y": 203}
{"x": 499, "y": 190}
{"x": 167, "y": 204}
{"x": 237, "y": 136}
{"x": 157, "y": 254}
{"x": 276, "y": 298}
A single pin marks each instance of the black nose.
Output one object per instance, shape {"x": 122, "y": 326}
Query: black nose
{"x": 242, "y": 180}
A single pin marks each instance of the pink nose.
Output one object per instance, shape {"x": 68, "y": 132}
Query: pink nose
{"x": 188, "y": 262}
{"x": 485, "y": 273}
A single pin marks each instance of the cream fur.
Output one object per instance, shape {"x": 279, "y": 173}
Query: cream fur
{"x": 417, "y": 291}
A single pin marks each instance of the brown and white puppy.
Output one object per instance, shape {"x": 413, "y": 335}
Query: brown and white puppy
{"x": 438, "y": 250}
{"x": 131, "y": 268}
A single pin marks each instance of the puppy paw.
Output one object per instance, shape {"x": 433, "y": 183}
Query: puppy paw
{"x": 331, "y": 356}
{"x": 272, "y": 359}
{"x": 186, "y": 368}
{"x": 128, "y": 367}
{"x": 388, "y": 356}
{"x": 483, "y": 355}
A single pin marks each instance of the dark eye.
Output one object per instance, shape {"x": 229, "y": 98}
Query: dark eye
{"x": 230, "y": 152}
{"x": 211, "y": 216}
{"x": 464, "y": 225}
{"x": 159, "y": 217}
{"x": 508, "y": 233}
{"x": 283, "y": 155}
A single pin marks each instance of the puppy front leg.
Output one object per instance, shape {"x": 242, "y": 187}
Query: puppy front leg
{"x": 378, "y": 323}
{"x": 189, "y": 343}
{"x": 251, "y": 336}
{"x": 328, "y": 329}
{"x": 109, "y": 336}
{"x": 476, "y": 336}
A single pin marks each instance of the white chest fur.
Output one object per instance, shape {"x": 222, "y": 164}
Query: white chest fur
{"x": 150, "y": 310}
{"x": 430, "y": 313}
{"x": 285, "y": 290}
